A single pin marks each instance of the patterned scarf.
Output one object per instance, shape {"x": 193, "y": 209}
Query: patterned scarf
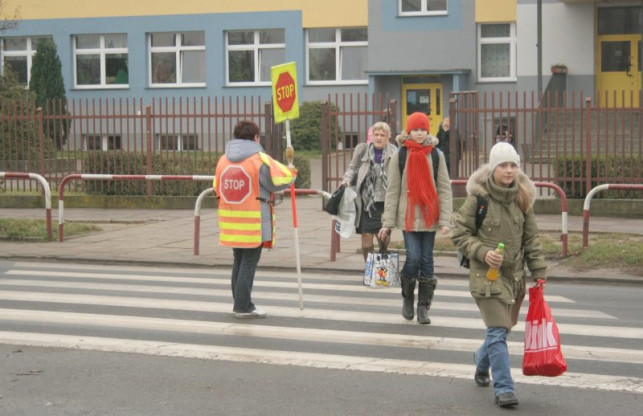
{"x": 375, "y": 171}
{"x": 420, "y": 188}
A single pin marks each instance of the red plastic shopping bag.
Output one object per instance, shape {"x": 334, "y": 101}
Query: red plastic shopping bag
{"x": 543, "y": 356}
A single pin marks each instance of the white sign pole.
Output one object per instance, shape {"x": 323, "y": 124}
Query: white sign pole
{"x": 290, "y": 155}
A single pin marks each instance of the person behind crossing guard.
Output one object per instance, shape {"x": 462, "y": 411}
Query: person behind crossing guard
{"x": 245, "y": 180}
{"x": 509, "y": 220}
{"x": 419, "y": 206}
{"x": 367, "y": 172}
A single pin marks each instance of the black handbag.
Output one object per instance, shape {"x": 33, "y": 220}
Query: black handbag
{"x": 332, "y": 205}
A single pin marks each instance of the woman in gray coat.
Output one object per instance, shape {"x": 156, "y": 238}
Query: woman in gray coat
{"x": 368, "y": 173}
{"x": 510, "y": 220}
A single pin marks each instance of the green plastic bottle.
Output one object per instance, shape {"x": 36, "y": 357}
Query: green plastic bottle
{"x": 493, "y": 273}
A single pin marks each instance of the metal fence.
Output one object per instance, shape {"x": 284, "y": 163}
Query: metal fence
{"x": 126, "y": 136}
{"x": 170, "y": 136}
{"x": 565, "y": 138}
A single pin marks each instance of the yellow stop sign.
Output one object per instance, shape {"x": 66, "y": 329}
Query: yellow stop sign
{"x": 284, "y": 91}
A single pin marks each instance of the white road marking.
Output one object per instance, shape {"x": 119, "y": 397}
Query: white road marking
{"x": 311, "y": 360}
{"x": 308, "y": 313}
{"x": 264, "y": 295}
{"x": 257, "y": 283}
{"x": 578, "y": 352}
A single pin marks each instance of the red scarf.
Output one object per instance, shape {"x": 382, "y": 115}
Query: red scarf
{"x": 420, "y": 189}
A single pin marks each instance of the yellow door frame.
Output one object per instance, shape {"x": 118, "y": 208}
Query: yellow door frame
{"x": 436, "y": 98}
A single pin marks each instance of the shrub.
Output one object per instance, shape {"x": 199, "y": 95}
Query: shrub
{"x": 48, "y": 86}
{"x": 303, "y": 171}
{"x": 20, "y": 126}
{"x": 305, "y": 131}
{"x": 572, "y": 168}
{"x": 130, "y": 163}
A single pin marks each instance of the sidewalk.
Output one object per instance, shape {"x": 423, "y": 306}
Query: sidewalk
{"x": 166, "y": 237}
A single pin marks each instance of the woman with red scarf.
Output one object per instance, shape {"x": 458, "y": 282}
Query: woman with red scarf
{"x": 419, "y": 206}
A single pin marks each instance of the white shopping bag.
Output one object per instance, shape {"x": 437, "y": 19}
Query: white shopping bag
{"x": 345, "y": 218}
{"x": 382, "y": 269}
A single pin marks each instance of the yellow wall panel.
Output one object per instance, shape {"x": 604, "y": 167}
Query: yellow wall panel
{"x": 316, "y": 13}
{"x": 489, "y": 11}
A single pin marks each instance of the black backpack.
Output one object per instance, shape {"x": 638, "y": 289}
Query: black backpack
{"x": 435, "y": 158}
{"x": 482, "y": 204}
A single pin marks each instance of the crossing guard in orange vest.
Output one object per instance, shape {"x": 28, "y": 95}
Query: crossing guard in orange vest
{"x": 244, "y": 182}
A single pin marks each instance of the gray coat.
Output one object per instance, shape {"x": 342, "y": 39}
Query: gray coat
{"x": 505, "y": 222}
{"x": 358, "y": 169}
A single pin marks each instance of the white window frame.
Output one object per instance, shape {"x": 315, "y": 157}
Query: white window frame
{"x": 257, "y": 46}
{"x": 180, "y": 142}
{"x": 105, "y": 141}
{"x": 102, "y": 51}
{"x": 338, "y": 45}
{"x": 511, "y": 40}
{"x": 178, "y": 50}
{"x": 423, "y": 11}
{"x": 28, "y": 53}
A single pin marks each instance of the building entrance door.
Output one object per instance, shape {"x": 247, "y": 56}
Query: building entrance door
{"x": 619, "y": 70}
{"x": 425, "y": 98}
{"x": 618, "y": 56}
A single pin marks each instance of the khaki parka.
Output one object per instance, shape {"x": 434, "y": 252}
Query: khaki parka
{"x": 358, "y": 169}
{"x": 395, "y": 203}
{"x": 499, "y": 301}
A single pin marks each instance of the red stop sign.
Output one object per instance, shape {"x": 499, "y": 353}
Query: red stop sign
{"x": 236, "y": 184}
{"x": 285, "y": 92}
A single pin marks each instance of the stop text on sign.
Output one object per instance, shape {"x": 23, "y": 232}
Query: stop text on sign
{"x": 286, "y": 92}
{"x": 236, "y": 184}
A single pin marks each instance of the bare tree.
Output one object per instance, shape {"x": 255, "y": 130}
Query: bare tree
{"x": 8, "y": 22}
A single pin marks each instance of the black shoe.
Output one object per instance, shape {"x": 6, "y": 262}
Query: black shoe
{"x": 506, "y": 400}
{"x": 482, "y": 379}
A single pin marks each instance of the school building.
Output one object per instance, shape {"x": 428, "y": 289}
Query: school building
{"x": 418, "y": 52}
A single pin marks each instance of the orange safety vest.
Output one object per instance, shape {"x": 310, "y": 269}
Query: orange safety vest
{"x": 237, "y": 187}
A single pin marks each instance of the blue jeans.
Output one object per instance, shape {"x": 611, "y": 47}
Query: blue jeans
{"x": 494, "y": 353}
{"x": 419, "y": 254}
{"x": 243, "y": 276}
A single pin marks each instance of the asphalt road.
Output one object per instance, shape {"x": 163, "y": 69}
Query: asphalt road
{"x": 84, "y": 339}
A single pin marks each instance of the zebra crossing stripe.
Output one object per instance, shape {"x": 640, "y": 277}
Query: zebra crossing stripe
{"x": 308, "y": 313}
{"x": 310, "y": 360}
{"x": 393, "y": 302}
{"x": 578, "y": 352}
{"x": 258, "y": 283}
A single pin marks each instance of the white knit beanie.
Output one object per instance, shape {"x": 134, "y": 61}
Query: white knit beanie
{"x": 502, "y": 152}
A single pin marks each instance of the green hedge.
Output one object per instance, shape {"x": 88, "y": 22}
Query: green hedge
{"x": 601, "y": 168}
{"x": 131, "y": 163}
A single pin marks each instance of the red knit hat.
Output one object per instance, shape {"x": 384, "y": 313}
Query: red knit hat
{"x": 417, "y": 121}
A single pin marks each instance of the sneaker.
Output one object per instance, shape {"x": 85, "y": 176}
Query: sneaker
{"x": 506, "y": 400}
{"x": 257, "y": 313}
